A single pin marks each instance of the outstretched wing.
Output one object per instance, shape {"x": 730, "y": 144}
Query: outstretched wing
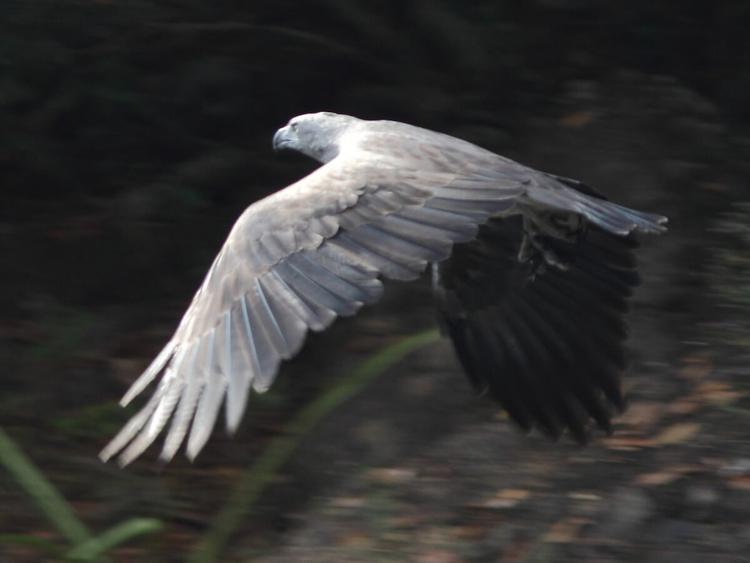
{"x": 549, "y": 348}
{"x": 293, "y": 262}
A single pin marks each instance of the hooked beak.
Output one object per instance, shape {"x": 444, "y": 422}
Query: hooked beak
{"x": 282, "y": 138}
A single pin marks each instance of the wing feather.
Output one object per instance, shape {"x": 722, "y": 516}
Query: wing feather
{"x": 240, "y": 371}
{"x": 416, "y": 228}
{"x": 314, "y": 317}
{"x": 313, "y": 293}
{"x": 209, "y": 403}
{"x": 187, "y": 404}
{"x": 550, "y": 350}
{"x": 344, "y": 243}
{"x": 291, "y": 326}
{"x": 340, "y": 285}
{"x": 406, "y": 250}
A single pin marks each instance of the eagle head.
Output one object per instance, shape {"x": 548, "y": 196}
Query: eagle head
{"x": 314, "y": 134}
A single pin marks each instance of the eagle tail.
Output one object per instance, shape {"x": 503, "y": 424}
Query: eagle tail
{"x": 570, "y": 195}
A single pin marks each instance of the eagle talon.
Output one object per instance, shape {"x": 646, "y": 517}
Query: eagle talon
{"x": 533, "y": 251}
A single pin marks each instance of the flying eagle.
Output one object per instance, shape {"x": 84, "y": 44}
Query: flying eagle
{"x": 532, "y": 274}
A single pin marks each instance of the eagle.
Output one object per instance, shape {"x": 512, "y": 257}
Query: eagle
{"x": 532, "y": 274}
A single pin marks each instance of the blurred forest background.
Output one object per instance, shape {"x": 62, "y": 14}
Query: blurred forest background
{"x": 132, "y": 134}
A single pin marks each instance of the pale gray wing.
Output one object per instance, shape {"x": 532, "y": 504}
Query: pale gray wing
{"x": 295, "y": 261}
{"x": 542, "y": 192}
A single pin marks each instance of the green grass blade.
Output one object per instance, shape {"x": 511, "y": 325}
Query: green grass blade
{"x": 93, "y": 548}
{"x": 255, "y": 479}
{"x": 42, "y": 492}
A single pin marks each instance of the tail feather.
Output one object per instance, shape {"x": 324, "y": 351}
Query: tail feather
{"x": 626, "y": 219}
{"x": 617, "y": 219}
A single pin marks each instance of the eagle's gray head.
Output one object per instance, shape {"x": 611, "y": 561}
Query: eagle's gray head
{"x": 313, "y": 134}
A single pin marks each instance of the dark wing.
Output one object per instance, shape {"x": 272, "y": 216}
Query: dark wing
{"x": 292, "y": 263}
{"x": 548, "y": 348}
